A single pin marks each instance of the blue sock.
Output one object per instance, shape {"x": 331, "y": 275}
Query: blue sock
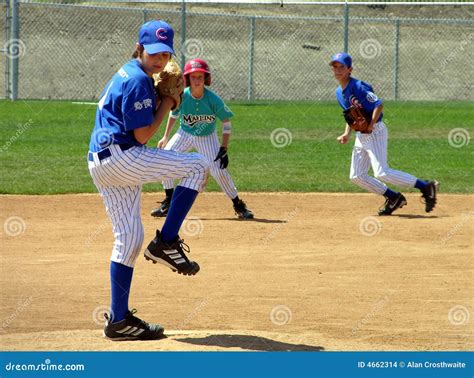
{"x": 183, "y": 199}
{"x": 120, "y": 280}
{"x": 390, "y": 194}
{"x": 420, "y": 184}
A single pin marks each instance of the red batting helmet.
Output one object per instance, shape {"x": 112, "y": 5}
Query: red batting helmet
{"x": 197, "y": 65}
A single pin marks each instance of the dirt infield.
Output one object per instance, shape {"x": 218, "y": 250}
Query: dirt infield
{"x": 312, "y": 272}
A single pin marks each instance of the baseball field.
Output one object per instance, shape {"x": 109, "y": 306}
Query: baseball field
{"x": 315, "y": 270}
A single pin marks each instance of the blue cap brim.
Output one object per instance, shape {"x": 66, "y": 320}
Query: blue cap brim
{"x": 339, "y": 61}
{"x": 156, "y": 48}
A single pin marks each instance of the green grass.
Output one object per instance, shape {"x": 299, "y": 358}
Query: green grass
{"x": 43, "y": 146}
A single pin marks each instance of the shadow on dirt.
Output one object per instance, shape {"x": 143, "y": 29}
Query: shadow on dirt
{"x": 257, "y": 220}
{"x": 414, "y": 216}
{"x": 248, "y": 342}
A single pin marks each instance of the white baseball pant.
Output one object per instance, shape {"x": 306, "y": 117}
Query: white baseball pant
{"x": 119, "y": 179}
{"x": 371, "y": 150}
{"x": 208, "y": 145}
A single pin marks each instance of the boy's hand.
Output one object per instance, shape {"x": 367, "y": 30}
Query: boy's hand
{"x": 162, "y": 142}
{"x": 343, "y": 139}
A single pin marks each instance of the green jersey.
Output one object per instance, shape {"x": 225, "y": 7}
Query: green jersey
{"x": 198, "y": 116}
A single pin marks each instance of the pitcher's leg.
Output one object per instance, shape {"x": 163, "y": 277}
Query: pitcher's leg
{"x": 180, "y": 142}
{"x": 123, "y": 208}
{"x": 154, "y": 165}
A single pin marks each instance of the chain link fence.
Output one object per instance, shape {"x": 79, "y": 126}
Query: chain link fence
{"x": 4, "y": 33}
{"x": 70, "y": 51}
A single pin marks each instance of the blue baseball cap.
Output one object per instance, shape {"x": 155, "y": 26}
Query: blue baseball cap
{"x": 342, "y": 58}
{"x": 156, "y": 36}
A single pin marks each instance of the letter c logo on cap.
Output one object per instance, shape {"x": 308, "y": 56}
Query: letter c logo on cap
{"x": 159, "y": 34}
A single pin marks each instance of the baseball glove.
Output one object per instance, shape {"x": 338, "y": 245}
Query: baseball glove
{"x": 357, "y": 119}
{"x": 170, "y": 82}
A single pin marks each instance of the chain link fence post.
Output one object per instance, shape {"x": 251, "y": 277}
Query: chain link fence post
{"x": 4, "y": 49}
{"x": 13, "y": 56}
{"x": 396, "y": 58}
{"x": 346, "y": 27}
{"x": 251, "y": 58}
{"x": 183, "y": 34}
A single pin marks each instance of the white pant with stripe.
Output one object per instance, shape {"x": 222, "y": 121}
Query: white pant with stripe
{"x": 119, "y": 179}
{"x": 208, "y": 145}
{"x": 371, "y": 150}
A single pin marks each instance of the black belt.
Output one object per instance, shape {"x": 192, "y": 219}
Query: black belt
{"x": 105, "y": 153}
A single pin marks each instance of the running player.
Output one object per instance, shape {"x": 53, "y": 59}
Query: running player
{"x": 370, "y": 149}
{"x": 198, "y": 114}
{"x": 128, "y": 115}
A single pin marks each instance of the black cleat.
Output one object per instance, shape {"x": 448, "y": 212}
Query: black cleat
{"x": 162, "y": 211}
{"x": 241, "y": 210}
{"x": 390, "y": 206}
{"x": 171, "y": 255}
{"x": 132, "y": 328}
{"x": 429, "y": 195}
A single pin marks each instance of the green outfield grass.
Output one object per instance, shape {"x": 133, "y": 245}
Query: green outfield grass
{"x": 43, "y": 146}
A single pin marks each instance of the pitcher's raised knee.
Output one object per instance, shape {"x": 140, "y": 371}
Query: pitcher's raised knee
{"x": 199, "y": 172}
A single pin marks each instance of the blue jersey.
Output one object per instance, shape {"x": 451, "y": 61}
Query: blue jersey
{"x": 127, "y": 103}
{"x": 360, "y": 94}
{"x": 198, "y": 116}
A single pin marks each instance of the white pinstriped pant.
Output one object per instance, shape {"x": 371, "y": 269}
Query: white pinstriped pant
{"x": 371, "y": 150}
{"x": 208, "y": 145}
{"x": 119, "y": 179}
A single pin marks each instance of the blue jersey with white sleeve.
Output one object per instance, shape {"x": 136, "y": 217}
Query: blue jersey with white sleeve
{"x": 127, "y": 103}
{"x": 358, "y": 93}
